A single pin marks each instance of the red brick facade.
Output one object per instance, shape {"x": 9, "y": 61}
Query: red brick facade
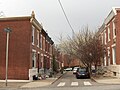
{"x": 22, "y": 50}
{"x": 110, "y": 37}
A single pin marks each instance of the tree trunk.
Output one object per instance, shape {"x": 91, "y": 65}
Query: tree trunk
{"x": 95, "y": 68}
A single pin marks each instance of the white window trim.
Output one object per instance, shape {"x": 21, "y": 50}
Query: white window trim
{"x": 108, "y": 56}
{"x": 34, "y": 51}
{"x": 33, "y": 32}
{"x": 108, "y": 51}
{"x": 105, "y": 37}
{"x": 105, "y": 61}
{"x": 41, "y": 43}
{"x": 108, "y": 33}
{"x": 113, "y": 23}
{"x": 114, "y": 61}
{"x": 113, "y": 45}
{"x": 108, "y": 47}
{"x": 102, "y": 37}
{"x": 38, "y": 41}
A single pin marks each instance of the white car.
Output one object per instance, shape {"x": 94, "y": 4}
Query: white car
{"x": 68, "y": 69}
{"x": 75, "y": 69}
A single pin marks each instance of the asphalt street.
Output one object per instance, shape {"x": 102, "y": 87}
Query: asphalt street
{"x": 69, "y": 82}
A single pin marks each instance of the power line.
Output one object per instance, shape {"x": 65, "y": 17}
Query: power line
{"x": 66, "y": 17}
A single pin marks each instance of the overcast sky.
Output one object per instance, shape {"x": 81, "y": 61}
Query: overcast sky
{"x": 48, "y": 12}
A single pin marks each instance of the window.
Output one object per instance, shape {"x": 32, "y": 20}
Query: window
{"x": 108, "y": 33}
{"x": 33, "y": 31}
{"x": 114, "y": 54}
{"x": 38, "y": 39}
{"x": 33, "y": 59}
{"x": 105, "y": 37}
{"x": 108, "y": 51}
{"x": 114, "y": 30}
{"x": 102, "y": 38}
{"x": 105, "y": 60}
{"x": 44, "y": 41}
{"x": 46, "y": 46}
{"x": 108, "y": 56}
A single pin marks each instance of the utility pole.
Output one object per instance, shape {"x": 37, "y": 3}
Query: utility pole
{"x": 7, "y": 30}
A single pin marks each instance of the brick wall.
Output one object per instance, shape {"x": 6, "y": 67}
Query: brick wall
{"x": 19, "y": 49}
{"x": 118, "y": 37}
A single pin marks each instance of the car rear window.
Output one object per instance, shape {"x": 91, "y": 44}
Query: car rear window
{"x": 82, "y": 69}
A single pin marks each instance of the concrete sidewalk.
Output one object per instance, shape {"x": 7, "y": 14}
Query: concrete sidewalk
{"x": 33, "y": 84}
{"x": 39, "y": 83}
{"x": 106, "y": 80}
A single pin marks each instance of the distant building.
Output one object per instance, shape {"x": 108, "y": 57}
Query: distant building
{"x": 30, "y": 48}
{"x": 70, "y": 63}
{"x": 109, "y": 34}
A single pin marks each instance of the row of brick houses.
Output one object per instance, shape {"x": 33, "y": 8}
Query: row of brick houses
{"x": 30, "y": 48}
{"x": 110, "y": 36}
{"x": 68, "y": 63}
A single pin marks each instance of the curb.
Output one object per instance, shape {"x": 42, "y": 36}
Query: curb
{"x": 92, "y": 78}
{"x": 58, "y": 78}
{"x": 45, "y": 85}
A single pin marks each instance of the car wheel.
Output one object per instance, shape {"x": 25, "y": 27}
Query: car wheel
{"x": 77, "y": 77}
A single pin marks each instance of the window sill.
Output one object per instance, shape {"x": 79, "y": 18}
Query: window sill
{"x": 41, "y": 48}
{"x": 109, "y": 40}
{"x": 38, "y": 46}
{"x": 114, "y": 37}
{"x": 33, "y": 44}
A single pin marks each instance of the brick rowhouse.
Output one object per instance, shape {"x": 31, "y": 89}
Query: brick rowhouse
{"x": 27, "y": 50}
{"x": 110, "y": 37}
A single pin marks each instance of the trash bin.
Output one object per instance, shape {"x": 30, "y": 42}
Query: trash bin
{"x": 35, "y": 77}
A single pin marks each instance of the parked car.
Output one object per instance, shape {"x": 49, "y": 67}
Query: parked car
{"x": 75, "y": 69}
{"x": 82, "y": 73}
{"x": 68, "y": 69}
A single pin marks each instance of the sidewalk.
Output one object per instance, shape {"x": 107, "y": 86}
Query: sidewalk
{"x": 106, "y": 80}
{"x": 33, "y": 84}
{"x": 39, "y": 83}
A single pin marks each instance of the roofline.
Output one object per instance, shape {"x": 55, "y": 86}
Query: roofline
{"x": 15, "y": 18}
{"x": 32, "y": 20}
{"x": 112, "y": 13}
{"x": 110, "y": 16}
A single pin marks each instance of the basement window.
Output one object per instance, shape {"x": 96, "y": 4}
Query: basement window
{"x": 114, "y": 73}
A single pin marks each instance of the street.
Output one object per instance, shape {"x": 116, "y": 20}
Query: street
{"x": 68, "y": 81}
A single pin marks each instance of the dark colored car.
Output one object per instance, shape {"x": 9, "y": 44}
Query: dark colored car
{"x": 82, "y": 73}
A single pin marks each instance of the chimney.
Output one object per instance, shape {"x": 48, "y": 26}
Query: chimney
{"x": 33, "y": 14}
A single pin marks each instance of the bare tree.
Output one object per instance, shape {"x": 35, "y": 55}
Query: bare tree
{"x": 66, "y": 48}
{"x": 85, "y": 46}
